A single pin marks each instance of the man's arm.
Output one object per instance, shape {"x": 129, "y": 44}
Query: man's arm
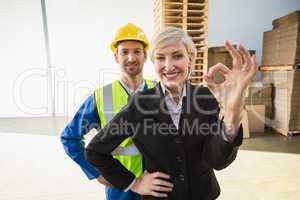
{"x": 72, "y": 136}
{"x": 98, "y": 151}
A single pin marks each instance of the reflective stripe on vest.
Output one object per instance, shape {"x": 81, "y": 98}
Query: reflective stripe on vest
{"x": 126, "y": 151}
{"x": 108, "y": 107}
{"x": 110, "y": 99}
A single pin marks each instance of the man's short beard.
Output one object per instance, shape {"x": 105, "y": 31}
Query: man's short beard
{"x": 134, "y": 73}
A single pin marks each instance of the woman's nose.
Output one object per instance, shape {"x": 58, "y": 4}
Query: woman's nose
{"x": 169, "y": 65}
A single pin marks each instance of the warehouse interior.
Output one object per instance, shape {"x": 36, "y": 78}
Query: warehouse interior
{"x": 55, "y": 54}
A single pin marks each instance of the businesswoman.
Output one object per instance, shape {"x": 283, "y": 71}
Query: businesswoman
{"x": 176, "y": 125}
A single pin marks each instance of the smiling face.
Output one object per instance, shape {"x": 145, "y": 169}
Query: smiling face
{"x": 131, "y": 56}
{"x": 172, "y": 64}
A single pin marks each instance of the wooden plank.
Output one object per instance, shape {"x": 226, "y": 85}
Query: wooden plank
{"x": 202, "y": 11}
{"x": 173, "y": 21}
{"x": 279, "y": 67}
{"x": 197, "y": 11}
{"x": 173, "y": 10}
{"x": 197, "y": 4}
{"x": 197, "y": 39}
{"x": 196, "y": 24}
{"x": 200, "y": 58}
{"x": 179, "y": 25}
{"x": 173, "y": 6}
{"x": 198, "y": 20}
{"x": 173, "y": 24}
{"x": 286, "y": 132}
{"x": 197, "y": 1}
{"x": 172, "y": 17}
{"x": 197, "y": 70}
{"x": 199, "y": 65}
{"x": 172, "y": 3}
{"x": 196, "y": 31}
{"x": 184, "y": 15}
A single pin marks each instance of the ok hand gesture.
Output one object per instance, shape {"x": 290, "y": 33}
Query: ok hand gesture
{"x": 230, "y": 93}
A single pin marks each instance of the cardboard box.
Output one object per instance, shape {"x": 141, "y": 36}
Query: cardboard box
{"x": 245, "y": 124}
{"x": 286, "y": 100}
{"x": 259, "y": 93}
{"x": 256, "y": 118}
{"x": 287, "y": 19}
{"x": 281, "y": 46}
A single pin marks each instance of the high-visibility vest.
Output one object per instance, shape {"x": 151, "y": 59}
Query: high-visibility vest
{"x": 110, "y": 99}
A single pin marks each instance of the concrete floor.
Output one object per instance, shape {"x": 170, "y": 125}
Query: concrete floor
{"x": 271, "y": 141}
{"x": 34, "y": 166}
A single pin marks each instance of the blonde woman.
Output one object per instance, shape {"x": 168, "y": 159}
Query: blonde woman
{"x": 176, "y": 125}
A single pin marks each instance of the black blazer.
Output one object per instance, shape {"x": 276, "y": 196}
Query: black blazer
{"x": 188, "y": 155}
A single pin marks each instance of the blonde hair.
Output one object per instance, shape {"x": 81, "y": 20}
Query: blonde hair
{"x": 171, "y": 35}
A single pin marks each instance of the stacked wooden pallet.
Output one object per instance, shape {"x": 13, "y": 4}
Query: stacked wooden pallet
{"x": 280, "y": 67}
{"x": 191, "y": 16}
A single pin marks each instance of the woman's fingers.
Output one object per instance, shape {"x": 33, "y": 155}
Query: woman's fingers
{"x": 246, "y": 58}
{"x": 157, "y": 194}
{"x": 159, "y": 188}
{"x": 160, "y": 175}
{"x": 236, "y": 56}
{"x": 160, "y": 185}
{"x": 163, "y": 183}
{"x": 253, "y": 68}
{"x": 242, "y": 59}
{"x": 210, "y": 82}
{"x": 219, "y": 67}
{"x": 155, "y": 184}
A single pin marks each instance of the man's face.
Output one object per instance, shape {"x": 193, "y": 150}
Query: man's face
{"x": 131, "y": 56}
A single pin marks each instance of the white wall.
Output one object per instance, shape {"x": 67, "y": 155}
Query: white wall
{"x": 21, "y": 50}
{"x": 80, "y": 34}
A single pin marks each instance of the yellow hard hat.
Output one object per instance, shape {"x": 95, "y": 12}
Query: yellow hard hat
{"x": 130, "y": 32}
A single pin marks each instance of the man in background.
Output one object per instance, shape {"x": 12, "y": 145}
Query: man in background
{"x": 130, "y": 50}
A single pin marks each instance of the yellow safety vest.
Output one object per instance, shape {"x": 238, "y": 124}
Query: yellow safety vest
{"x": 110, "y": 99}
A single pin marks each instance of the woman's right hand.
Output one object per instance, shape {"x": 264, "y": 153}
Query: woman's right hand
{"x": 153, "y": 184}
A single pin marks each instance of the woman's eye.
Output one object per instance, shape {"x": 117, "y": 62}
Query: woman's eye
{"x": 160, "y": 58}
{"x": 177, "y": 56}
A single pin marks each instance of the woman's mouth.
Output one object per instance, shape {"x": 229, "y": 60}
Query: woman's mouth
{"x": 171, "y": 75}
